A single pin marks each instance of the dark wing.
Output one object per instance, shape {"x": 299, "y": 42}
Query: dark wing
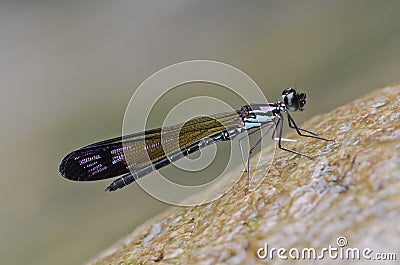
{"x": 117, "y": 156}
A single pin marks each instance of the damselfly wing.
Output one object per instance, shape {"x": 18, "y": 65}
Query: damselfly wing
{"x": 147, "y": 150}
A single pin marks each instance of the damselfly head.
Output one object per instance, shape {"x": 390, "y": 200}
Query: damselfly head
{"x": 293, "y": 101}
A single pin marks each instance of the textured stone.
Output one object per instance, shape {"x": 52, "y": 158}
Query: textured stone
{"x": 351, "y": 189}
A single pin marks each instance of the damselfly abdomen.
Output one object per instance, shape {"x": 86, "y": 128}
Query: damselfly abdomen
{"x": 136, "y": 155}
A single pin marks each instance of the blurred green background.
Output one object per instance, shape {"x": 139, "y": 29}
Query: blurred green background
{"x": 68, "y": 70}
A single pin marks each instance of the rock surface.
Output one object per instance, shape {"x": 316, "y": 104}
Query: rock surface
{"x": 348, "y": 195}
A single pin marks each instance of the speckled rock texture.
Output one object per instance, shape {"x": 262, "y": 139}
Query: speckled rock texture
{"x": 351, "y": 189}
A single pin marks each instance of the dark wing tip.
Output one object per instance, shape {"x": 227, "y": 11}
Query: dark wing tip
{"x": 92, "y": 163}
{"x": 63, "y": 166}
{"x": 66, "y": 166}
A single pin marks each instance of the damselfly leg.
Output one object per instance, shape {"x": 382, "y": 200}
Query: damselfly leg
{"x": 293, "y": 125}
{"x": 280, "y": 122}
{"x": 241, "y": 146}
{"x": 252, "y": 148}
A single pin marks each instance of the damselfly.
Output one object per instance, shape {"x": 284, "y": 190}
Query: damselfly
{"x": 136, "y": 155}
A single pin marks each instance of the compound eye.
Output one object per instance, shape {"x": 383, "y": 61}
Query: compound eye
{"x": 302, "y": 100}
